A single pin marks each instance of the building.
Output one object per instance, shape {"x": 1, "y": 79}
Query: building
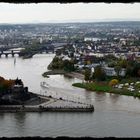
{"x": 111, "y": 71}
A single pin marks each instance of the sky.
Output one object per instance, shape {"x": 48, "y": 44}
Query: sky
{"x": 73, "y": 12}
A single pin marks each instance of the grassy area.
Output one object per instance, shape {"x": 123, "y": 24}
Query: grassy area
{"x": 93, "y": 86}
{"x": 104, "y": 87}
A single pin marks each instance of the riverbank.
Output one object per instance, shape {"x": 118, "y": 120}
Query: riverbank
{"x": 75, "y": 75}
{"x": 43, "y": 109}
{"x": 53, "y": 72}
{"x": 68, "y": 74}
{"x": 104, "y": 87}
{"x": 43, "y": 103}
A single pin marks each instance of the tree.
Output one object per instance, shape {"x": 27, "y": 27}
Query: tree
{"x": 56, "y": 63}
{"x": 136, "y": 68}
{"x": 111, "y": 64}
{"x": 87, "y": 74}
{"x": 113, "y": 82}
{"x": 99, "y": 73}
{"x": 138, "y": 72}
{"x": 117, "y": 70}
{"x": 68, "y": 65}
{"x": 1, "y": 79}
{"x": 7, "y": 84}
{"x": 123, "y": 63}
{"x": 110, "y": 57}
{"x": 129, "y": 71}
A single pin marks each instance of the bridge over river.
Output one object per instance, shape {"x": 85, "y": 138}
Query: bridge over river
{"x": 10, "y": 52}
{"x": 19, "y": 53}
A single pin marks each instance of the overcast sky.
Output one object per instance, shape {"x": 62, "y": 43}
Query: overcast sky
{"x": 56, "y": 12}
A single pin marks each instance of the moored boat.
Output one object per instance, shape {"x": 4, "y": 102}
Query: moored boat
{"x": 44, "y": 84}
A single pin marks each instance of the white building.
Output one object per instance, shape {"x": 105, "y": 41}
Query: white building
{"x": 91, "y": 39}
{"x": 111, "y": 71}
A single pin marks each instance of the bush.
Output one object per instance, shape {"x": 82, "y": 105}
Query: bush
{"x": 99, "y": 74}
{"x": 138, "y": 85}
{"x": 113, "y": 82}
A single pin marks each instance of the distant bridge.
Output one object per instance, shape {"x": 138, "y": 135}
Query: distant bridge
{"x": 12, "y": 52}
{"x": 44, "y": 48}
{"x": 18, "y": 52}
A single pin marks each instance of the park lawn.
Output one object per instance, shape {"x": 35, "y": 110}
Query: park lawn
{"x": 93, "y": 86}
{"x": 104, "y": 87}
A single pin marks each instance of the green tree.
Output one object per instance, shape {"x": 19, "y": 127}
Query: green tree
{"x": 117, "y": 69}
{"x": 123, "y": 63}
{"x": 136, "y": 69}
{"x": 129, "y": 71}
{"x": 56, "y": 63}
{"x": 99, "y": 73}
{"x": 68, "y": 65}
{"x": 87, "y": 74}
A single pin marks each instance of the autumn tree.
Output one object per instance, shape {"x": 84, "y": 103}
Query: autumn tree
{"x": 8, "y": 84}
{"x": 1, "y": 79}
{"x": 113, "y": 82}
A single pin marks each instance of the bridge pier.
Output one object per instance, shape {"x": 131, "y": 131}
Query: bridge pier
{"x": 19, "y": 54}
{"x": 6, "y": 55}
{"x": 13, "y": 54}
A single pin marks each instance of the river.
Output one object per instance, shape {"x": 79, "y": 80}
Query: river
{"x": 115, "y": 115}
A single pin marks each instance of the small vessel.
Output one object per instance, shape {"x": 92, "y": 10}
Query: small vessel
{"x": 44, "y": 84}
{"x": 14, "y": 61}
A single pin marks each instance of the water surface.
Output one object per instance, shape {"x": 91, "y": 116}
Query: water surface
{"x": 114, "y": 115}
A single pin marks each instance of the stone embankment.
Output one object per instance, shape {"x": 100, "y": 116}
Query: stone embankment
{"x": 44, "y": 109}
{"x": 75, "y": 75}
{"x": 51, "y": 104}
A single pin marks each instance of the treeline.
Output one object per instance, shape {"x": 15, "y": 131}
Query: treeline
{"x": 132, "y": 71}
{"x": 30, "y": 50}
{"x": 132, "y": 67}
{"x": 60, "y": 64}
{"x": 98, "y": 74}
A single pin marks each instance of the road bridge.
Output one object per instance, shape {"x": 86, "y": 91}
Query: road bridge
{"x": 10, "y": 52}
{"x": 18, "y": 52}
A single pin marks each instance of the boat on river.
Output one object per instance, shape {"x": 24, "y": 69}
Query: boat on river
{"x": 14, "y": 61}
{"x": 44, "y": 84}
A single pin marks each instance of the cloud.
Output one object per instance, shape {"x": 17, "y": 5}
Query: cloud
{"x": 44, "y": 12}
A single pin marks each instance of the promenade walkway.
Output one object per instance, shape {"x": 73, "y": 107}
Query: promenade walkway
{"x": 51, "y": 104}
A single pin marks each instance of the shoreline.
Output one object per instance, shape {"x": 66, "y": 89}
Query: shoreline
{"x": 75, "y": 75}
{"x": 46, "y": 109}
{"x": 53, "y": 72}
{"x": 110, "y": 91}
{"x": 68, "y": 74}
{"x": 46, "y": 106}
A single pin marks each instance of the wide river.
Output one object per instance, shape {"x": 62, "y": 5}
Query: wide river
{"x": 114, "y": 115}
